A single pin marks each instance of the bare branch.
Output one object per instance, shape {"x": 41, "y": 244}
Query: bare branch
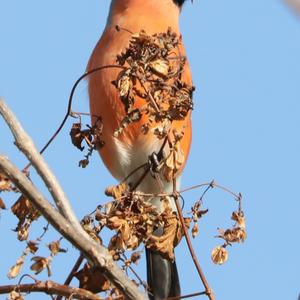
{"x": 95, "y": 253}
{"x": 26, "y": 145}
{"x": 51, "y": 288}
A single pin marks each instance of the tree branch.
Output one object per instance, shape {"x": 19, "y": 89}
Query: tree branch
{"x": 64, "y": 220}
{"x": 95, "y": 253}
{"x": 52, "y": 288}
{"x": 26, "y": 145}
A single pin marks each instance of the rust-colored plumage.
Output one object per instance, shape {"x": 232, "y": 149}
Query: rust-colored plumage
{"x": 130, "y": 149}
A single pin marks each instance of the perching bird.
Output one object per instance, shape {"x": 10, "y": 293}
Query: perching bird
{"x": 124, "y": 153}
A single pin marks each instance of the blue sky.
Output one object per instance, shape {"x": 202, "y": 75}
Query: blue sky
{"x": 246, "y": 68}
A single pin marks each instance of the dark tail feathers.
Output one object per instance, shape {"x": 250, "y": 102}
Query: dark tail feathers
{"x": 162, "y": 277}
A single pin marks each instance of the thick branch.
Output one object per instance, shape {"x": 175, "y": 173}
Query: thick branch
{"x": 51, "y": 288}
{"x": 95, "y": 253}
{"x": 26, "y": 145}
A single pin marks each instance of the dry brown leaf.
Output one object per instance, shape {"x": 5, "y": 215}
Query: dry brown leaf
{"x": 174, "y": 162}
{"x": 164, "y": 244}
{"x": 2, "y": 204}
{"x": 135, "y": 256}
{"x": 23, "y": 209}
{"x": 40, "y": 263}
{"x": 16, "y": 269}
{"x": 239, "y": 218}
{"x": 131, "y": 117}
{"x": 116, "y": 191}
{"x": 92, "y": 279}
{"x": 116, "y": 244}
{"x": 55, "y": 248}
{"x": 195, "y": 230}
{"x": 124, "y": 84}
{"x": 234, "y": 235}
{"x": 160, "y": 67}
{"x": 76, "y": 136}
{"x": 133, "y": 242}
{"x": 33, "y": 246}
{"x": 5, "y": 184}
{"x": 153, "y": 75}
{"x": 219, "y": 255}
{"x": 23, "y": 232}
{"x": 13, "y": 295}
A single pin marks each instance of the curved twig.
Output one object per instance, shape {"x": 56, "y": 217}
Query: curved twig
{"x": 69, "y": 108}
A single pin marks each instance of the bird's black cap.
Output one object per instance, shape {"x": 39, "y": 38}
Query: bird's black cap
{"x": 179, "y": 2}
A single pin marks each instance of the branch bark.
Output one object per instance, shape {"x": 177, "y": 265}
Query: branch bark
{"x": 26, "y": 145}
{"x": 95, "y": 253}
{"x": 52, "y": 288}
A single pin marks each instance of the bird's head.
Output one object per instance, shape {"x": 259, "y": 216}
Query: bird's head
{"x": 179, "y": 2}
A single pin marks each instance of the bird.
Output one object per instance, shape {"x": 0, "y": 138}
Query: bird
{"x": 124, "y": 153}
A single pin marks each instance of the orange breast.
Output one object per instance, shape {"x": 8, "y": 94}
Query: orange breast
{"x": 105, "y": 100}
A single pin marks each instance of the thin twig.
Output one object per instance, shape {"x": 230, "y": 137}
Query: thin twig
{"x": 71, "y": 274}
{"x": 208, "y": 290}
{"x": 152, "y": 100}
{"x": 135, "y": 273}
{"x": 69, "y": 108}
{"x": 214, "y": 184}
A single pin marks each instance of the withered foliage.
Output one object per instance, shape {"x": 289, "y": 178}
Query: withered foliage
{"x": 41, "y": 263}
{"x": 24, "y": 210}
{"x": 90, "y": 136}
{"x": 2, "y": 204}
{"x": 236, "y": 234}
{"x": 135, "y": 220}
{"x": 92, "y": 279}
{"x": 5, "y": 184}
{"x": 32, "y": 247}
{"x": 55, "y": 248}
{"x": 197, "y": 214}
{"x": 13, "y": 295}
{"x": 91, "y": 229}
{"x": 15, "y": 270}
{"x": 151, "y": 82}
{"x": 219, "y": 255}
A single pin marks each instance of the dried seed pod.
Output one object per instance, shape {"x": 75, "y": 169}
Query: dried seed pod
{"x": 16, "y": 269}
{"x": 219, "y": 255}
